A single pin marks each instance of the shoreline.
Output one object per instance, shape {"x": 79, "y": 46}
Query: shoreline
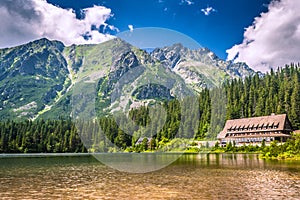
{"x": 44, "y": 155}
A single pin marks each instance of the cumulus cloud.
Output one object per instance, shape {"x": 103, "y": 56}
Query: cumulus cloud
{"x": 208, "y": 10}
{"x": 273, "y": 39}
{"x": 130, "y": 27}
{"x": 26, "y": 20}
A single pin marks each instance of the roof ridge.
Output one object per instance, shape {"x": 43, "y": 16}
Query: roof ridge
{"x": 257, "y": 117}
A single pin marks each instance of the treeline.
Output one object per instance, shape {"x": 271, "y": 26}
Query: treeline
{"x": 103, "y": 135}
{"x": 51, "y": 136}
{"x": 275, "y": 92}
{"x": 156, "y": 124}
{"x": 259, "y": 95}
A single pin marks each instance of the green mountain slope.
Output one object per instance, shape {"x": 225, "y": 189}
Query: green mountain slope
{"x": 32, "y": 76}
{"x": 39, "y": 79}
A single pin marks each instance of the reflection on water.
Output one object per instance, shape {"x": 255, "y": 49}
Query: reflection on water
{"x": 193, "y": 176}
{"x": 137, "y": 162}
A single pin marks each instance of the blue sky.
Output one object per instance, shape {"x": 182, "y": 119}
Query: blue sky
{"x": 262, "y": 33}
{"x": 218, "y": 31}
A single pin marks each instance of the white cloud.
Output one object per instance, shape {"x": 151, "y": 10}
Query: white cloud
{"x": 208, "y": 10}
{"x": 187, "y": 2}
{"x": 130, "y": 27}
{"x": 274, "y": 38}
{"x": 23, "y": 21}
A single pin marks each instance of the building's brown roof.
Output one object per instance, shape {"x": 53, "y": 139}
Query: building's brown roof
{"x": 273, "y": 122}
{"x": 258, "y": 136}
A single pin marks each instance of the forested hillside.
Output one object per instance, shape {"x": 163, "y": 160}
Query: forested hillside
{"x": 276, "y": 92}
{"x": 259, "y": 95}
{"x": 39, "y": 136}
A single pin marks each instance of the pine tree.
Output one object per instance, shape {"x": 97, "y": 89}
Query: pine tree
{"x": 294, "y": 114}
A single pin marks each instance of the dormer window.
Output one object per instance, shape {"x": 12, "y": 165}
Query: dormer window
{"x": 247, "y": 128}
{"x": 266, "y": 126}
{"x": 271, "y": 126}
{"x": 243, "y": 128}
{"x": 260, "y": 126}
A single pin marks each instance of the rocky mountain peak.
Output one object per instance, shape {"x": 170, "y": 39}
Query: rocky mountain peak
{"x": 38, "y": 77}
{"x": 200, "y": 67}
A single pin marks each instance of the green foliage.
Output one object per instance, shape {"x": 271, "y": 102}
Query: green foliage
{"x": 51, "y": 136}
{"x": 205, "y": 114}
{"x": 38, "y": 76}
{"x": 287, "y": 150}
{"x": 229, "y": 147}
{"x": 290, "y": 149}
{"x": 276, "y": 92}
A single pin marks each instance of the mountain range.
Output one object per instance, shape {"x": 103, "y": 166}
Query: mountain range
{"x": 38, "y": 79}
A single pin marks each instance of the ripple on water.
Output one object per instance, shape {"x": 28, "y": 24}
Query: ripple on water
{"x": 193, "y": 177}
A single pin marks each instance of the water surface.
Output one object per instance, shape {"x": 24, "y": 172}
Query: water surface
{"x": 193, "y": 176}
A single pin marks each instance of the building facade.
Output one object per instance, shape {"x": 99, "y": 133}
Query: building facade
{"x": 256, "y": 129}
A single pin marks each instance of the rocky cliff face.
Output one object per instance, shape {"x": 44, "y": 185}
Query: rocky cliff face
{"x": 200, "y": 68}
{"x": 37, "y": 79}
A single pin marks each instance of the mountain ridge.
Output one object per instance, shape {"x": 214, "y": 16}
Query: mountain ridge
{"x": 38, "y": 77}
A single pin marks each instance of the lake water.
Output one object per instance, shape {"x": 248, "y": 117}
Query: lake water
{"x": 192, "y": 176}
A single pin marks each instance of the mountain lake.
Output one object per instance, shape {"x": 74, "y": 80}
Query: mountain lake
{"x": 192, "y": 176}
